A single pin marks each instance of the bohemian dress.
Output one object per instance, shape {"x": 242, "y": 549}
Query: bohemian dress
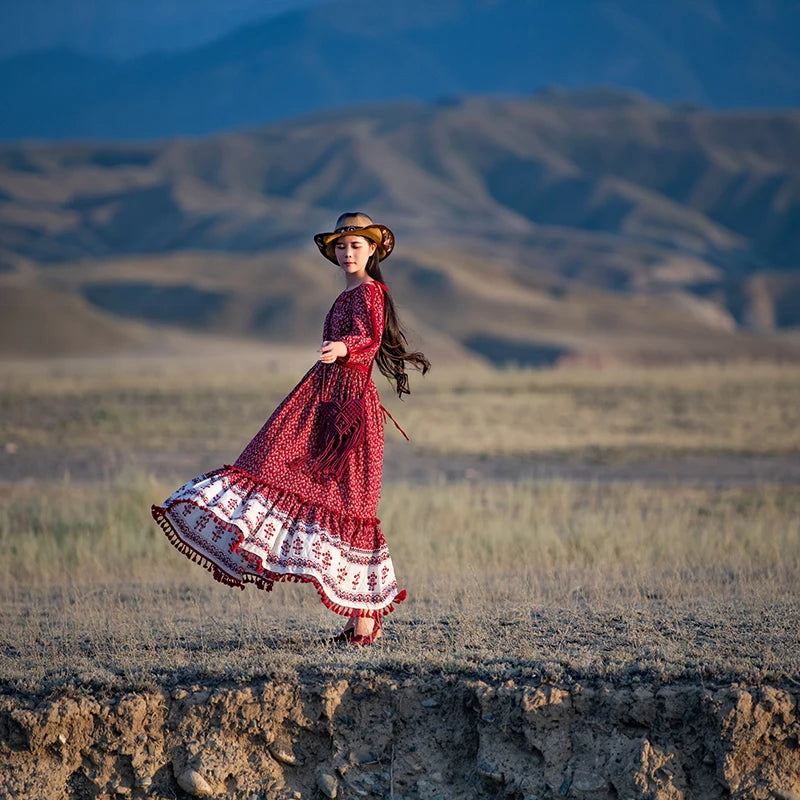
{"x": 300, "y": 501}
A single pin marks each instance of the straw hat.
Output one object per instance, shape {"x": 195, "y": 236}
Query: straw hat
{"x": 355, "y": 223}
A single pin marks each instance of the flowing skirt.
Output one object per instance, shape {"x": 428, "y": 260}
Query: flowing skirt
{"x": 244, "y": 532}
{"x": 260, "y": 520}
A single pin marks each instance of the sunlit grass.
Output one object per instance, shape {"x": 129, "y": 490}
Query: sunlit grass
{"x": 553, "y": 576}
{"x": 550, "y": 577}
{"x": 745, "y": 408}
{"x": 74, "y": 533}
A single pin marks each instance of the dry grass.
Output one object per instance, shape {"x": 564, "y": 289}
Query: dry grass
{"x": 752, "y": 408}
{"x": 612, "y": 413}
{"x": 625, "y": 532}
{"x": 553, "y": 578}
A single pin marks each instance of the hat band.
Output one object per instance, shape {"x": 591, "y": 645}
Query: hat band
{"x": 348, "y": 228}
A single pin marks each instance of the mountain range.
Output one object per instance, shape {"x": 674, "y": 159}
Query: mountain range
{"x": 123, "y": 29}
{"x": 710, "y": 53}
{"x": 591, "y": 224}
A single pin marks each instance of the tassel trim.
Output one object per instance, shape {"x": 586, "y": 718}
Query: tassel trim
{"x": 368, "y": 369}
{"x": 345, "y": 611}
{"x": 159, "y": 515}
{"x": 265, "y": 579}
{"x": 342, "y": 429}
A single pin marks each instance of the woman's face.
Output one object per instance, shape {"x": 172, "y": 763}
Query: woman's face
{"x": 353, "y": 252}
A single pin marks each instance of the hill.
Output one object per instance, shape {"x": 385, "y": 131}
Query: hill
{"x": 573, "y": 224}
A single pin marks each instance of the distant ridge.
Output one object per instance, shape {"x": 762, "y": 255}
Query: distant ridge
{"x": 574, "y": 226}
{"x": 706, "y": 52}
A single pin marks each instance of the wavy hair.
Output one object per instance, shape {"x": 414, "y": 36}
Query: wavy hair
{"x": 393, "y": 354}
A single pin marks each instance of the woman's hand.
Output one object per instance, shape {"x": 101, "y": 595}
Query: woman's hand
{"x": 330, "y": 351}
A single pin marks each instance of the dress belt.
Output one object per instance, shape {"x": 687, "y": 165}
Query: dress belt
{"x": 367, "y": 370}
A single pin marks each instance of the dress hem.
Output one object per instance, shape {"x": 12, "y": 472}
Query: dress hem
{"x": 265, "y": 578}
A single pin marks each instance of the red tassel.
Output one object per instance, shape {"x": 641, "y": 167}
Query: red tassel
{"x": 265, "y": 581}
{"x": 342, "y": 429}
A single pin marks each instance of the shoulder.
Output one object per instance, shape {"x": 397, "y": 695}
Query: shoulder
{"x": 370, "y": 291}
{"x": 374, "y": 292}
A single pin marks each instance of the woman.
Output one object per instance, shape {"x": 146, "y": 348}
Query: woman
{"x": 300, "y": 501}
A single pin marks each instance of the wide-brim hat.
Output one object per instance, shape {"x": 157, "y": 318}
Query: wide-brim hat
{"x": 355, "y": 224}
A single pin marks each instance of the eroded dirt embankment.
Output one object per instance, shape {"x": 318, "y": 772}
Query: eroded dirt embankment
{"x": 413, "y": 738}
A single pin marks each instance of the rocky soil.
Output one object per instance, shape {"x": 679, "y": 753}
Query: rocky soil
{"x": 393, "y": 736}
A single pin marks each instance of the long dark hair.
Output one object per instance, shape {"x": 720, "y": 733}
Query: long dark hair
{"x": 393, "y": 355}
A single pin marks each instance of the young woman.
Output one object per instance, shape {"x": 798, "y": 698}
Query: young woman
{"x": 300, "y": 501}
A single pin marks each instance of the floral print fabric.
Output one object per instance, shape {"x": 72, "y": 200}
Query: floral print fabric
{"x": 261, "y": 520}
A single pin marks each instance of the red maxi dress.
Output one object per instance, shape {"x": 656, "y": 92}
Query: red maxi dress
{"x": 266, "y": 518}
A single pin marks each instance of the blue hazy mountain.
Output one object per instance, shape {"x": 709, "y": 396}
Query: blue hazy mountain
{"x": 120, "y": 29}
{"x": 706, "y": 52}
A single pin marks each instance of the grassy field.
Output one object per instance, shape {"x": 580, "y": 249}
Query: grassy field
{"x": 555, "y": 578}
{"x": 158, "y": 405}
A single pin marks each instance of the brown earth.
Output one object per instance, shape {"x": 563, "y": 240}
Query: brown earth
{"x": 402, "y": 736}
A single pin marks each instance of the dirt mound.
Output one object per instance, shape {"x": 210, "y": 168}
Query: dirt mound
{"x": 420, "y": 737}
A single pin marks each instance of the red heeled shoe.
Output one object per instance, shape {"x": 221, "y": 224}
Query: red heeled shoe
{"x": 347, "y": 633}
{"x": 361, "y": 640}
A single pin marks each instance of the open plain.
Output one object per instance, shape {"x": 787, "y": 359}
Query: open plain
{"x": 602, "y": 570}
